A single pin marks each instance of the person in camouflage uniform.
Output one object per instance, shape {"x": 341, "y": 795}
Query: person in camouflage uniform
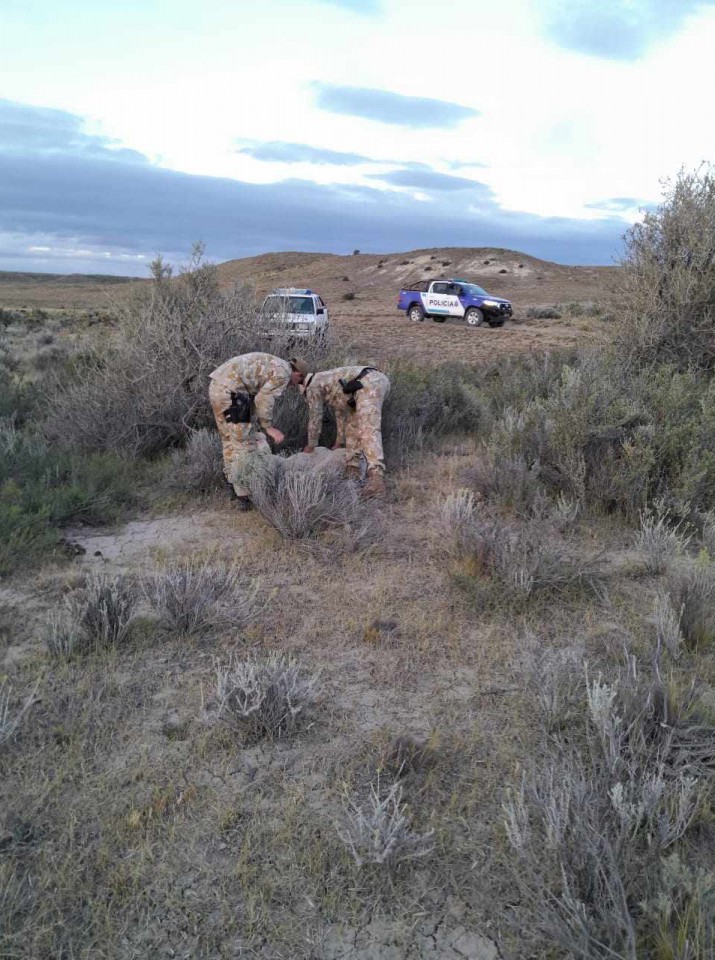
{"x": 358, "y": 415}
{"x": 242, "y": 393}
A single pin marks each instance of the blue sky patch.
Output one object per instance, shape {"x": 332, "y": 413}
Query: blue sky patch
{"x": 617, "y": 29}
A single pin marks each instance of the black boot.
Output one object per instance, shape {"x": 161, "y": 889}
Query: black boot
{"x": 242, "y": 503}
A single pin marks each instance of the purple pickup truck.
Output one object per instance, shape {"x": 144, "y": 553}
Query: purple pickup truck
{"x": 440, "y": 299}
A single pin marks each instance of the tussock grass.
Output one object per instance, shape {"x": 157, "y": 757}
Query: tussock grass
{"x": 301, "y": 503}
{"x": 659, "y": 541}
{"x": 193, "y": 597}
{"x": 692, "y": 597}
{"x": 98, "y": 617}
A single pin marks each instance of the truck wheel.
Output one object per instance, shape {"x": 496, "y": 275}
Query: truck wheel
{"x": 474, "y": 317}
{"x": 495, "y": 323}
{"x": 416, "y": 313}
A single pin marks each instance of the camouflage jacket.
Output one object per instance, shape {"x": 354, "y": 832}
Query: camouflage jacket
{"x": 262, "y": 375}
{"x": 325, "y": 388}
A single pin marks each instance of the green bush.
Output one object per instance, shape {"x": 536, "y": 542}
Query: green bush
{"x": 603, "y": 434}
{"x": 543, "y": 313}
{"x": 42, "y": 490}
{"x": 425, "y": 404}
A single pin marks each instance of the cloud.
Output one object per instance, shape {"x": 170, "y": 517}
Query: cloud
{"x": 366, "y": 7}
{"x": 465, "y": 164}
{"x": 47, "y": 132}
{"x": 85, "y": 210}
{"x": 617, "y": 204}
{"x": 393, "y": 108}
{"x": 429, "y": 180}
{"x": 278, "y": 151}
{"x": 617, "y": 29}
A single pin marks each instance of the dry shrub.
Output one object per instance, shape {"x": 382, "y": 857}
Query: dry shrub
{"x": 377, "y": 830}
{"x": 666, "y": 620}
{"x": 708, "y": 534}
{"x": 526, "y": 558}
{"x": 592, "y": 823}
{"x": 603, "y": 434}
{"x": 301, "y": 503}
{"x": 198, "y": 466}
{"x": 146, "y": 390}
{"x": 457, "y": 512}
{"x": 426, "y": 404}
{"x": 511, "y": 482}
{"x": 668, "y": 288}
{"x": 194, "y": 597}
{"x": 264, "y": 696}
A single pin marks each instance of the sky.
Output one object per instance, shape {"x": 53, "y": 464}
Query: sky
{"x": 543, "y": 126}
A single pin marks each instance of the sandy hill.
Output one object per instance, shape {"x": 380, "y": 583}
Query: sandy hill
{"x": 524, "y": 279}
{"x": 371, "y": 328}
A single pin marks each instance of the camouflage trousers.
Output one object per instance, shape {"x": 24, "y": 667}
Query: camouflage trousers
{"x": 363, "y": 426}
{"x": 239, "y": 440}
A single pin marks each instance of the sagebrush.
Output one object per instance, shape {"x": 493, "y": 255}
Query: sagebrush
{"x": 267, "y": 696}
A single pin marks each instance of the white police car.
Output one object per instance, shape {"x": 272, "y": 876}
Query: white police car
{"x": 297, "y": 312}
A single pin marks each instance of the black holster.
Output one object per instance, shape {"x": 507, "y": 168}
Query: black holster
{"x": 240, "y": 409}
{"x": 351, "y": 387}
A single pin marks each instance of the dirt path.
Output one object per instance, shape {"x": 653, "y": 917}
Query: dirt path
{"x": 368, "y": 332}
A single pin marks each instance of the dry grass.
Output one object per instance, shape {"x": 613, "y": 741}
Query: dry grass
{"x": 251, "y": 833}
